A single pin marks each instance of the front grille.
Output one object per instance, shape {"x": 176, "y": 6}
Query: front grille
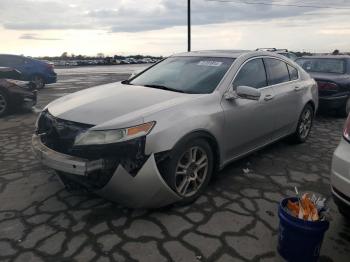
{"x": 59, "y": 134}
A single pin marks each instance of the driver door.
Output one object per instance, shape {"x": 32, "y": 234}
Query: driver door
{"x": 249, "y": 123}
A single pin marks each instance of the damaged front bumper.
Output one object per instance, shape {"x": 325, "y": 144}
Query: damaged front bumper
{"x": 146, "y": 188}
{"x": 63, "y": 162}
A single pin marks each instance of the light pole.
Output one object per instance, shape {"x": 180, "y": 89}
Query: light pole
{"x": 189, "y": 25}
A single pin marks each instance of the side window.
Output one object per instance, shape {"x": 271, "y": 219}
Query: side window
{"x": 277, "y": 71}
{"x": 10, "y": 61}
{"x": 4, "y": 61}
{"x": 16, "y": 61}
{"x": 251, "y": 74}
{"x": 293, "y": 72}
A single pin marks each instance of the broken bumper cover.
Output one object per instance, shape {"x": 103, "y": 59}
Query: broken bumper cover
{"x": 62, "y": 162}
{"x": 147, "y": 189}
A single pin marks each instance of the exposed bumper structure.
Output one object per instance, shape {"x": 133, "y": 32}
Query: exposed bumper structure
{"x": 146, "y": 189}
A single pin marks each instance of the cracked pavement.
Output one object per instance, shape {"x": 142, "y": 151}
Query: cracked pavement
{"x": 235, "y": 220}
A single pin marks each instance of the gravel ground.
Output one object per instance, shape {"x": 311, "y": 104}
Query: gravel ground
{"x": 235, "y": 220}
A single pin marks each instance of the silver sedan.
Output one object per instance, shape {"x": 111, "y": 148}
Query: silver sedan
{"x": 159, "y": 137}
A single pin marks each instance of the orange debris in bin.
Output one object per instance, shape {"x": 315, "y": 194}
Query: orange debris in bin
{"x": 304, "y": 209}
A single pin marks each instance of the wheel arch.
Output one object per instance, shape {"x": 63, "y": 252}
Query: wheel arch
{"x": 312, "y": 103}
{"x": 210, "y": 138}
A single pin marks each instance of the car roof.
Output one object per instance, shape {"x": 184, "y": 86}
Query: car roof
{"x": 216, "y": 53}
{"x": 327, "y": 56}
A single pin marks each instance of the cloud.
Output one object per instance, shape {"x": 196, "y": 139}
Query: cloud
{"x": 139, "y": 15}
{"x": 36, "y": 37}
{"x": 335, "y": 31}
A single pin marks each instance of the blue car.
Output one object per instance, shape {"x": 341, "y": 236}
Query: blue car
{"x": 38, "y": 72}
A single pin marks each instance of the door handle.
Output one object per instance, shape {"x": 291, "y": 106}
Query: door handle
{"x": 298, "y": 88}
{"x": 268, "y": 97}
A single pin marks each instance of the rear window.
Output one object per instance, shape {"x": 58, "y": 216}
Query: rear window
{"x": 322, "y": 65}
{"x": 10, "y": 60}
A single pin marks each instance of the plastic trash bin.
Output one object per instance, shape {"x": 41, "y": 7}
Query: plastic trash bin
{"x": 299, "y": 240}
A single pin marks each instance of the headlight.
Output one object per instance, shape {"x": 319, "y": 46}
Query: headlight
{"x": 96, "y": 137}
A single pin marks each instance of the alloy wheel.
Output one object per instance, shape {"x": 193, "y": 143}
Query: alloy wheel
{"x": 305, "y": 124}
{"x": 191, "y": 171}
{"x": 3, "y": 104}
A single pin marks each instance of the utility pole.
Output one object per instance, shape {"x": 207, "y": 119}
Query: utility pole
{"x": 189, "y": 25}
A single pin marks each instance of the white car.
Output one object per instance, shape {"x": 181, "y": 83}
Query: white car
{"x": 341, "y": 172}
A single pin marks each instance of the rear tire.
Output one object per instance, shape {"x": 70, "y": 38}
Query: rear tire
{"x": 4, "y": 103}
{"x": 189, "y": 168}
{"x": 304, "y": 125}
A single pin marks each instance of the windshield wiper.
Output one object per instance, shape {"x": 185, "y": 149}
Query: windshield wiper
{"x": 126, "y": 82}
{"x": 165, "y": 88}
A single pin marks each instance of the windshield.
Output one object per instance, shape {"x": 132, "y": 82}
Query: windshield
{"x": 195, "y": 75}
{"x": 322, "y": 65}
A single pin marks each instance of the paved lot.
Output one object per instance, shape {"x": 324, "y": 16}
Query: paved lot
{"x": 235, "y": 220}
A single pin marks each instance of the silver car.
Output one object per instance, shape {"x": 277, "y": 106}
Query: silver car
{"x": 340, "y": 176}
{"x": 158, "y": 137}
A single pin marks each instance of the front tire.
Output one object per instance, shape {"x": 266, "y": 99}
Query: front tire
{"x": 189, "y": 168}
{"x": 4, "y": 103}
{"x": 304, "y": 125}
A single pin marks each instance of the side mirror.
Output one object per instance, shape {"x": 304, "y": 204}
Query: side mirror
{"x": 230, "y": 94}
{"x": 247, "y": 92}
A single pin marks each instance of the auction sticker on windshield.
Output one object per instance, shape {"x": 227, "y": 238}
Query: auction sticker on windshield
{"x": 209, "y": 63}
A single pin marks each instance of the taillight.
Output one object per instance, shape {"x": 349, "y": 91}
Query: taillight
{"x": 347, "y": 129}
{"x": 327, "y": 86}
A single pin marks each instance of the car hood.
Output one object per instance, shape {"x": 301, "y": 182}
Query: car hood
{"x": 114, "y": 104}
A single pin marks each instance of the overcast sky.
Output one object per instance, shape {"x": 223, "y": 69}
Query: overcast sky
{"x": 158, "y": 27}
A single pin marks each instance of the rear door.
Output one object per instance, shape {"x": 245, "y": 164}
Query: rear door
{"x": 283, "y": 78}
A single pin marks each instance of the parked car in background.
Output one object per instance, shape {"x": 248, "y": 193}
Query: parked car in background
{"x": 340, "y": 176}
{"x": 283, "y": 52}
{"x": 38, "y": 72}
{"x": 158, "y": 138}
{"x": 14, "y": 93}
{"x": 332, "y": 74}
